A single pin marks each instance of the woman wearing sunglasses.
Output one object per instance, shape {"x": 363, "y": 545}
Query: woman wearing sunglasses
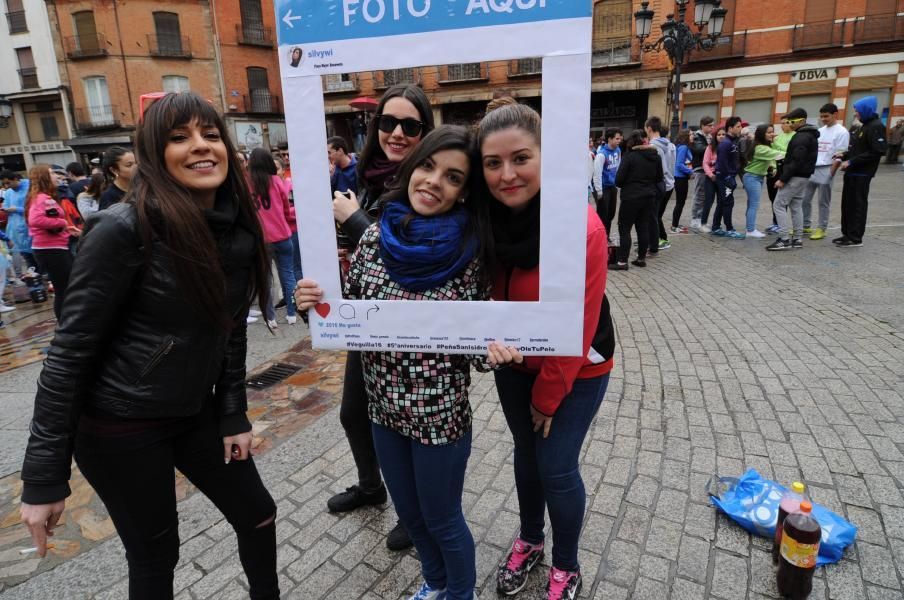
{"x": 402, "y": 119}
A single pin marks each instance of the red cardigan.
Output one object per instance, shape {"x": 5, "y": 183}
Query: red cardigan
{"x": 556, "y": 374}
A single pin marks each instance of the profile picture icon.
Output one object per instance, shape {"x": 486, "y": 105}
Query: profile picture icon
{"x": 295, "y": 56}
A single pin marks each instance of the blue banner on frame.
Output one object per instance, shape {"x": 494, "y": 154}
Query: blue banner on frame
{"x": 308, "y": 21}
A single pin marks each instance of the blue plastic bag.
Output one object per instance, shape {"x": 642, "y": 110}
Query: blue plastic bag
{"x": 752, "y": 502}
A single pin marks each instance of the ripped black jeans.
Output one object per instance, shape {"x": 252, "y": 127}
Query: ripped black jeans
{"x": 130, "y": 466}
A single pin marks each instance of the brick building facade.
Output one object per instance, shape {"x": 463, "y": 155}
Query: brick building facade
{"x": 800, "y": 53}
{"x": 111, "y": 52}
{"x": 246, "y": 44}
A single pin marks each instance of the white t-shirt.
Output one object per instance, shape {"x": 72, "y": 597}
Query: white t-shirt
{"x": 832, "y": 140}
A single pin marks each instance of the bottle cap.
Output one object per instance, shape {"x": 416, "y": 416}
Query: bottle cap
{"x": 805, "y": 507}
{"x": 798, "y": 487}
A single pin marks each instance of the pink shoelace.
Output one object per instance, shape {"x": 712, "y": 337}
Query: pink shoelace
{"x": 558, "y": 583}
{"x": 520, "y": 551}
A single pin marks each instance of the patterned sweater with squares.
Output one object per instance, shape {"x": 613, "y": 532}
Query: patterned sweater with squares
{"x": 423, "y": 396}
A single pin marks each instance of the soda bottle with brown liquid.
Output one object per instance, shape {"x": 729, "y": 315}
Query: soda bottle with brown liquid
{"x": 790, "y": 504}
{"x": 800, "y": 547}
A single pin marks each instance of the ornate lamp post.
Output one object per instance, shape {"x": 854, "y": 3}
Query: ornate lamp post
{"x": 6, "y": 111}
{"x": 678, "y": 41}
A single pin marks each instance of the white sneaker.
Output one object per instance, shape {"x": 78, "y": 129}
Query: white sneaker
{"x": 255, "y": 313}
{"x": 756, "y": 233}
{"x": 695, "y": 224}
{"x": 705, "y": 229}
{"x": 251, "y": 319}
{"x": 272, "y": 324}
{"x": 6, "y": 308}
{"x": 291, "y": 320}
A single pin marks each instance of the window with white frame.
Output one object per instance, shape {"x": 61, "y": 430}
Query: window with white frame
{"x": 175, "y": 83}
{"x": 100, "y": 111}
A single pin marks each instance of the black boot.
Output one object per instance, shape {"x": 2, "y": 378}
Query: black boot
{"x": 354, "y": 497}
{"x": 398, "y": 539}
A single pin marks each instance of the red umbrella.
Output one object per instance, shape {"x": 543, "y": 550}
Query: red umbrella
{"x": 364, "y": 103}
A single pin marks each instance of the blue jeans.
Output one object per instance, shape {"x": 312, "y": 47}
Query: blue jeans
{"x": 547, "y": 472}
{"x": 426, "y": 484}
{"x": 296, "y": 257}
{"x": 282, "y": 252}
{"x": 753, "y": 185}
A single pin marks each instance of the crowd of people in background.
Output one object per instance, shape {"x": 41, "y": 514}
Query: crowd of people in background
{"x": 796, "y": 166}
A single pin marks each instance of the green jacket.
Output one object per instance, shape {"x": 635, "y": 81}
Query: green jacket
{"x": 764, "y": 158}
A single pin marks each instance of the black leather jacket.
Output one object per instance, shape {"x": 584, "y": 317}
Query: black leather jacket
{"x": 130, "y": 344}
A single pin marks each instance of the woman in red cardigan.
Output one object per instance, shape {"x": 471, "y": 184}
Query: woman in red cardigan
{"x": 549, "y": 402}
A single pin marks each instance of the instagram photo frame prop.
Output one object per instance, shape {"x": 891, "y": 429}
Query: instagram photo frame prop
{"x": 326, "y": 37}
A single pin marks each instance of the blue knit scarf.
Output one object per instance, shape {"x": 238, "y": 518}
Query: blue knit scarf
{"x": 425, "y": 252}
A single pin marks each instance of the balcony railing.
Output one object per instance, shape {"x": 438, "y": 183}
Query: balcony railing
{"x": 525, "y": 67}
{"x": 253, "y": 35}
{"x": 614, "y": 52}
{"x": 818, "y": 34}
{"x": 337, "y": 84}
{"x": 730, "y": 45}
{"x": 16, "y": 21}
{"x": 28, "y": 77}
{"x": 463, "y": 72}
{"x": 390, "y": 77}
{"x": 262, "y": 101}
{"x": 96, "y": 117}
{"x": 879, "y": 28}
{"x": 169, "y": 46}
{"x": 85, "y": 46}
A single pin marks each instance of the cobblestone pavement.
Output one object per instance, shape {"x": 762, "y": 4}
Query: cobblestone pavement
{"x": 724, "y": 362}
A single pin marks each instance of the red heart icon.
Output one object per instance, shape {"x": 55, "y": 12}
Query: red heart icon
{"x": 322, "y": 309}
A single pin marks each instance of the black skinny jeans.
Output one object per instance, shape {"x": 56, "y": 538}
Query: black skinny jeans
{"x": 356, "y": 422}
{"x": 663, "y": 233}
{"x": 773, "y": 192}
{"x": 606, "y": 206}
{"x": 680, "y": 198}
{"x": 635, "y": 213}
{"x": 57, "y": 264}
{"x": 137, "y": 486}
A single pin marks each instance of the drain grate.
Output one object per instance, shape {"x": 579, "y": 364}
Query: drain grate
{"x": 273, "y": 375}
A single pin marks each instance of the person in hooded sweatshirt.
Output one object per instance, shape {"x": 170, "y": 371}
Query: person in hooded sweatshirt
{"x": 659, "y": 238}
{"x": 868, "y": 146}
{"x": 792, "y": 184}
{"x": 639, "y": 177}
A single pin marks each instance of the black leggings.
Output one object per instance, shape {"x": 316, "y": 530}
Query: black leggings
{"x": 57, "y": 264}
{"x": 137, "y": 486}
{"x": 635, "y": 213}
{"x": 606, "y": 206}
{"x": 773, "y": 192}
{"x": 680, "y": 198}
{"x": 356, "y": 422}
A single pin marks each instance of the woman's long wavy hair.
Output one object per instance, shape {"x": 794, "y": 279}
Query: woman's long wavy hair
{"x": 372, "y": 151}
{"x": 40, "y": 181}
{"x": 759, "y": 139}
{"x": 261, "y": 168}
{"x": 452, "y": 137}
{"x": 167, "y": 211}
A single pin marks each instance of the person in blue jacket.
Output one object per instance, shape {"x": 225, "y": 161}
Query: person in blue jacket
{"x": 605, "y": 166}
{"x": 683, "y": 172}
{"x": 16, "y": 227}
{"x": 728, "y": 165}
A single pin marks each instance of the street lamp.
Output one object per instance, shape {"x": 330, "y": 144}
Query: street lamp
{"x": 678, "y": 41}
{"x": 6, "y": 111}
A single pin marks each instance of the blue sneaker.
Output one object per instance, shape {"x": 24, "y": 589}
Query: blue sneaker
{"x": 719, "y": 232}
{"x": 735, "y": 235}
{"x": 428, "y": 593}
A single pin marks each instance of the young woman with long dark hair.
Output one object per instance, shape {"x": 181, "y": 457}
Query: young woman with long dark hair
{"x": 709, "y": 170}
{"x": 146, "y": 371}
{"x": 760, "y": 161}
{"x": 403, "y": 117}
{"x": 119, "y": 167}
{"x": 638, "y": 177}
{"x": 88, "y": 202}
{"x": 50, "y": 231}
{"x": 549, "y": 402}
{"x": 271, "y": 198}
{"x": 430, "y": 244}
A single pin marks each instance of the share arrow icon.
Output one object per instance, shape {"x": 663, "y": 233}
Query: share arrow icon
{"x": 288, "y": 18}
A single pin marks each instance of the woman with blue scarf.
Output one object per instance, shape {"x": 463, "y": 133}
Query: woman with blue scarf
{"x": 429, "y": 244}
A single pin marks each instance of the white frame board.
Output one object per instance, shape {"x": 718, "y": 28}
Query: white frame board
{"x": 350, "y": 36}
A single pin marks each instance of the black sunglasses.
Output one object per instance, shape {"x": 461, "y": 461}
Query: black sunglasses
{"x": 410, "y": 127}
